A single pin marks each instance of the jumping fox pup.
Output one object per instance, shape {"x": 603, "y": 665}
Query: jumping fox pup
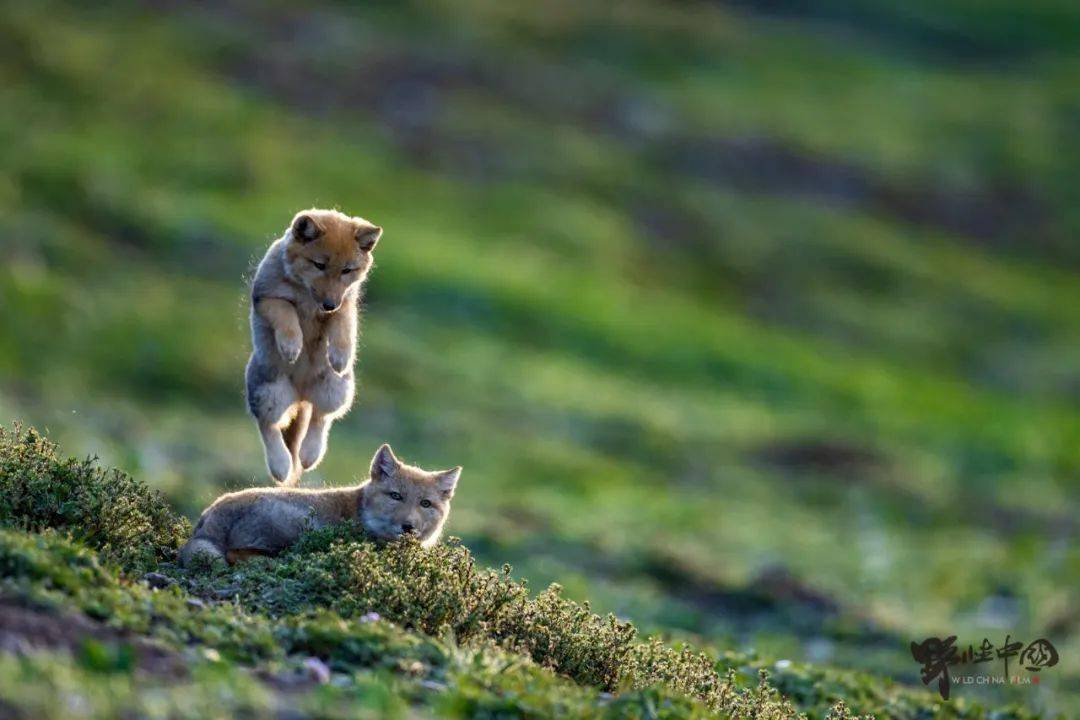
{"x": 304, "y": 308}
{"x": 398, "y": 500}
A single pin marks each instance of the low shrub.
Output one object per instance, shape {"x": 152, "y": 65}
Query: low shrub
{"x": 108, "y": 510}
{"x": 52, "y": 573}
{"x": 435, "y": 590}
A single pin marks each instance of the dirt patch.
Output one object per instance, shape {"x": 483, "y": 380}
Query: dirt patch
{"x": 989, "y": 211}
{"x": 781, "y": 584}
{"x": 1015, "y": 520}
{"x": 776, "y": 599}
{"x": 25, "y": 629}
{"x": 845, "y": 462}
{"x": 330, "y": 62}
{"x": 822, "y": 456}
{"x": 931, "y": 38}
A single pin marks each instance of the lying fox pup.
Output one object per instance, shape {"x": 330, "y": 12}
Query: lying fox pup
{"x": 304, "y": 307}
{"x": 398, "y": 500}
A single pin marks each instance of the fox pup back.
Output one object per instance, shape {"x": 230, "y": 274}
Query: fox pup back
{"x": 304, "y": 316}
{"x": 398, "y": 500}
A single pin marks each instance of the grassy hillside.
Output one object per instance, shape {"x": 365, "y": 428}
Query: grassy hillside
{"x": 107, "y": 625}
{"x": 753, "y": 325}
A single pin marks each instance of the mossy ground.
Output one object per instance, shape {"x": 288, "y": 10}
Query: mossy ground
{"x": 337, "y": 626}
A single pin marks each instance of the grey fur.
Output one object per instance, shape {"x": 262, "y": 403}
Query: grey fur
{"x": 299, "y": 378}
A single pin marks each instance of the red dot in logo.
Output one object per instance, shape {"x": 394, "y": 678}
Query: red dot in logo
{"x": 1035, "y": 679}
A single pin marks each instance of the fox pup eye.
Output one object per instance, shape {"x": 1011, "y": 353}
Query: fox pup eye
{"x": 395, "y": 496}
{"x": 425, "y": 503}
{"x": 346, "y": 271}
{"x": 318, "y": 265}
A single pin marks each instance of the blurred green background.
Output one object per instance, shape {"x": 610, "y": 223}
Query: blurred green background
{"x": 753, "y": 322}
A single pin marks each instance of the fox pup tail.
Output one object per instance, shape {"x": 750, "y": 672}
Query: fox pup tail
{"x": 197, "y": 547}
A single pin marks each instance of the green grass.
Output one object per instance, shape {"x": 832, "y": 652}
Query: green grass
{"x": 394, "y": 625}
{"x": 695, "y": 294}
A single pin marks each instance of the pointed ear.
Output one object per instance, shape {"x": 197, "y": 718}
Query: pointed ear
{"x": 447, "y": 481}
{"x": 368, "y": 236}
{"x": 384, "y": 464}
{"x": 304, "y": 228}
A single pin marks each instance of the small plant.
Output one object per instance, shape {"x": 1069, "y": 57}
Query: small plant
{"x": 127, "y": 522}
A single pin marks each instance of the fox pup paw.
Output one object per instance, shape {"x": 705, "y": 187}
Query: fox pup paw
{"x": 338, "y": 357}
{"x": 289, "y": 345}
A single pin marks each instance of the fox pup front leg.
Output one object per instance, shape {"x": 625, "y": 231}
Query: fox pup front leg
{"x": 283, "y": 319}
{"x": 341, "y": 340}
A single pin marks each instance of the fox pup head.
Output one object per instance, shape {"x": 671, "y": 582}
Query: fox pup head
{"x": 329, "y": 253}
{"x": 405, "y": 500}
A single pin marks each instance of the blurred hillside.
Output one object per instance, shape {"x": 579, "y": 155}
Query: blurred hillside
{"x": 749, "y": 322}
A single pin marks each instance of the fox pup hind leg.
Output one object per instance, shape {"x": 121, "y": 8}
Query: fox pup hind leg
{"x": 200, "y": 547}
{"x": 272, "y": 400}
{"x": 314, "y": 446}
{"x": 330, "y": 399}
{"x": 295, "y": 434}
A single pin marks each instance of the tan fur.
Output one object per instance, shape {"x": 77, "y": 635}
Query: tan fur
{"x": 265, "y": 521}
{"x": 304, "y": 317}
